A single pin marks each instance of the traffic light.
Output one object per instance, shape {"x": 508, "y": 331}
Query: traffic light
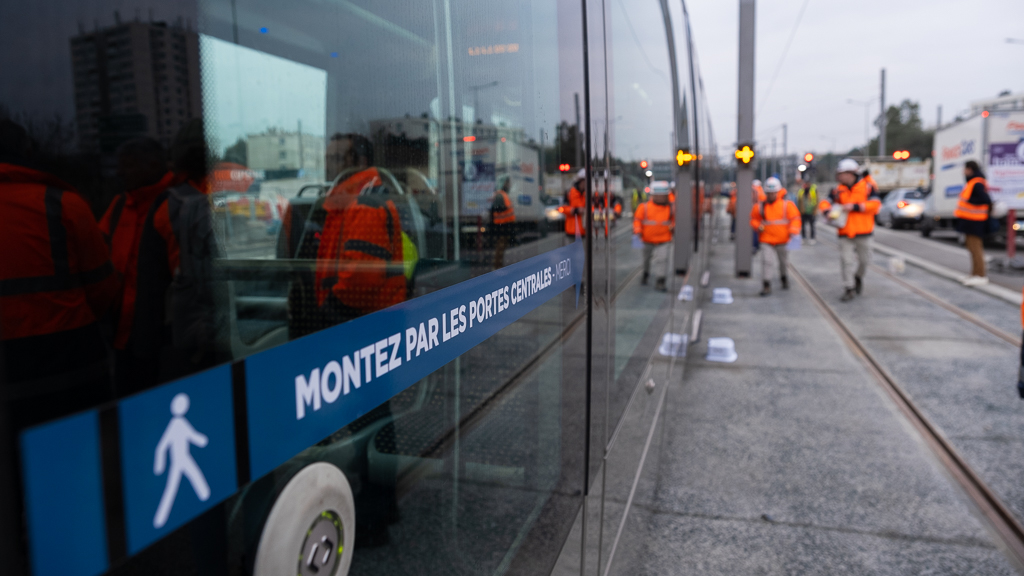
{"x": 745, "y": 154}
{"x": 564, "y": 167}
{"x": 643, "y": 164}
{"x": 808, "y": 158}
{"x": 901, "y": 154}
{"x": 683, "y": 157}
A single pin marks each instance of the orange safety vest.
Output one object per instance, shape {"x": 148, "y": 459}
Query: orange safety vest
{"x": 506, "y": 215}
{"x": 967, "y": 211}
{"x": 577, "y": 211}
{"x": 781, "y": 219}
{"x": 859, "y": 223}
{"x": 654, "y": 222}
{"x": 55, "y": 275}
{"x": 360, "y": 258}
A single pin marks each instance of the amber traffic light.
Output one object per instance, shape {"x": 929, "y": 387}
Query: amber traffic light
{"x": 901, "y": 154}
{"x": 808, "y": 157}
{"x": 683, "y": 157}
{"x": 745, "y": 154}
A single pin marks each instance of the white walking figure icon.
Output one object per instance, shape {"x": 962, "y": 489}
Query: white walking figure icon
{"x": 177, "y": 443}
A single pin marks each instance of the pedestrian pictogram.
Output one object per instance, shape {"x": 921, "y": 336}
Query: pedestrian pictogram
{"x": 176, "y": 445}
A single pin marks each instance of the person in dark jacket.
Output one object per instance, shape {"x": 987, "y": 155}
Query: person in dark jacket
{"x": 972, "y": 215}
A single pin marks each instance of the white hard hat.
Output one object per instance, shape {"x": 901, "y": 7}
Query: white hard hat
{"x": 756, "y": 182}
{"x": 581, "y": 174}
{"x": 772, "y": 185}
{"x": 659, "y": 189}
{"x": 847, "y": 165}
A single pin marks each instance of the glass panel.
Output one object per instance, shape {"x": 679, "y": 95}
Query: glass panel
{"x": 247, "y": 189}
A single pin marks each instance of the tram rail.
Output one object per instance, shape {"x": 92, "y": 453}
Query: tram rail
{"x": 996, "y": 514}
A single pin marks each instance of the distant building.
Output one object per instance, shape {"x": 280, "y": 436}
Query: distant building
{"x": 134, "y": 79}
{"x": 279, "y": 152}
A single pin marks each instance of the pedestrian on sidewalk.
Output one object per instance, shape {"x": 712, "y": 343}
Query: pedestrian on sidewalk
{"x": 775, "y": 219}
{"x": 855, "y": 204}
{"x": 807, "y": 202}
{"x": 653, "y": 222}
{"x": 972, "y": 220}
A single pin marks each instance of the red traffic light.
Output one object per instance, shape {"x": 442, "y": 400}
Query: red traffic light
{"x": 901, "y": 154}
{"x": 564, "y": 167}
{"x": 643, "y": 164}
{"x": 808, "y": 157}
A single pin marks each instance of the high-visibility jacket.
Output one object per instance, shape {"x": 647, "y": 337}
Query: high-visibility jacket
{"x": 861, "y": 221}
{"x": 807, "y": 200}
{"x": 654, "y": 222}
{"x": 577, "y": 212}
{"x": 55, "y": 275}
{"x": 145, "y": 252}
{"x": 780, "y": 219}
{"x": 360, "y": 256}
{"x": 967, "y": 211}
{"x": 759, "y": 195}
{"x": 502, "y": 211}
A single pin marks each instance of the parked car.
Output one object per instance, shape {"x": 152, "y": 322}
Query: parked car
{"x": 902, "y": 208}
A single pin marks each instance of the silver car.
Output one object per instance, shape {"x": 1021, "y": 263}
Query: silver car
{"x": 901, "y": 208}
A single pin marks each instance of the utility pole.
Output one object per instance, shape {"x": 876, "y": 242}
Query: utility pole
{"x": 774, "y": 169}
{"x": 882, "y": 120}
{"x": 682, "y": 247}
{"x": 745, "y": 137}
{"x": 938, "y": 118}
{"x": 785, "y": 155}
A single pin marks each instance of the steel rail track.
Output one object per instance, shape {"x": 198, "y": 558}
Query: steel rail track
{"x": 1002, "y": 521}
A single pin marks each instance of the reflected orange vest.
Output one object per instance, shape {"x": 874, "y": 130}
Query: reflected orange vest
{"x": 507, "y": 215}
{"x": 577, "y": 212}
{"x": 967, "y": 211}
{"x": 360, "y": 259}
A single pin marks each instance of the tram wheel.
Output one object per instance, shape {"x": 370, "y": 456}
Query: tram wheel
{"x": 311, "y": 527}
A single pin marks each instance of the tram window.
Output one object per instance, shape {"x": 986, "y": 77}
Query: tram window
{"x": 330, "y": 167}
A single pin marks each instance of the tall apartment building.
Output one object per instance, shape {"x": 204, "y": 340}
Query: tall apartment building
{"x": 134, "y": 79}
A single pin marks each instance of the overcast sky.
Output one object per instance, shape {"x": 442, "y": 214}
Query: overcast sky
{"x": 935, "y": 52}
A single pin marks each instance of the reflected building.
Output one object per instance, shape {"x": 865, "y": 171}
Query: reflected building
{"x": 134, "y": 79}
{"x": 278, "y": 152}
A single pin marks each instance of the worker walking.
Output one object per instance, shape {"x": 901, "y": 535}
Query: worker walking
{"x": 653, "y": 222}
{"x": 56, "y": 282}
{"x": 852, "y": 209}
{"x": 775, "y": 219}
{"x": 576, "y": 202}
{"x": 807, "y": 202}
{"x": 503, "y": 221}
{"x": 972, "y": 215}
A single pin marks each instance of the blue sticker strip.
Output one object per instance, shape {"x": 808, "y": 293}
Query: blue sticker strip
{"x": 301, "y": 392}
{"x": 67, "y": 532}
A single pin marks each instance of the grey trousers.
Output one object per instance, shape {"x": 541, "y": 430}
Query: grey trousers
{"x": 854, "y": 257}
{"x": 781, "y": 255}
{"x": 656, "y": 256}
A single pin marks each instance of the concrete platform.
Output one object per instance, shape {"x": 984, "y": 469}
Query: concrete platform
{"x": 792, "y": 460}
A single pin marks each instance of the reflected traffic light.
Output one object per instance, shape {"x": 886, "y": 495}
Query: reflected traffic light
{"x": 564, "y": 167}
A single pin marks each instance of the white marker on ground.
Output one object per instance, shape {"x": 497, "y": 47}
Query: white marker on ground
{"x": 176, "y": 443}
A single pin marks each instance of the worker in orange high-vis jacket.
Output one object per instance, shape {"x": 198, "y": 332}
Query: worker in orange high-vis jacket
{"x": 654, "y": 222}
{"x": 360, "y": 265}
{"x": 576, "y": 207}
{"x": 775, "y": 220}
{"x": 852, "y": 209}
{"x": 972, "y": 216}
{"x": 503, "y": 221}
{"x": 56, "y": 282}
{"x": 145, "y": 252}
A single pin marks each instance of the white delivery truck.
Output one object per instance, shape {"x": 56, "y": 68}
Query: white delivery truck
{"x": 893, "y": 175}
{"x": 969, "y": 139}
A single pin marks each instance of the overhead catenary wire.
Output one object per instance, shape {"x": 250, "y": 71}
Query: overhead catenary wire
{"x": 782, "y": 59}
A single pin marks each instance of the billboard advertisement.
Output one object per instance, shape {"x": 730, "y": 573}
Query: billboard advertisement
{"x": 1005, "y": 168}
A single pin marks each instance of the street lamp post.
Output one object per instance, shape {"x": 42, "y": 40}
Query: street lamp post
{"x": 867, "y": 108}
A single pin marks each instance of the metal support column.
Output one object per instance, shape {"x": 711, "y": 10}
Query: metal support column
{"x": 684, "y": 217}
{"x": 883, "y": 120}
{"x": 745, "y": 136}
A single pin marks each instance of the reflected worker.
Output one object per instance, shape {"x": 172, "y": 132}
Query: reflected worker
{"x": 56, "y": 282}
{"x": 654, "y": 222}
{"x": 503, "y": 221}
{"x": 576, "y": 207}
